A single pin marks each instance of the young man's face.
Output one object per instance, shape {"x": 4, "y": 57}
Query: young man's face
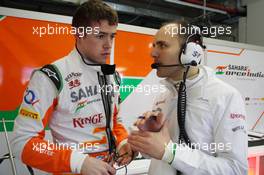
{"x": 97, "y": 47}
{"x": 165, "y": 51}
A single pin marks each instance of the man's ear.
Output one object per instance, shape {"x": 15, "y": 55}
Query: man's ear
{"x": 161, "y": 118}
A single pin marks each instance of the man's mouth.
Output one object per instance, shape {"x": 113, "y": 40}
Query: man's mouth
{"x": 106, "y": 54}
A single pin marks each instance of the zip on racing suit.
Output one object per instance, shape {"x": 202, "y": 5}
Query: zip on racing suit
{"x": 215, "y": 123}
{"x": 76, "y": 116}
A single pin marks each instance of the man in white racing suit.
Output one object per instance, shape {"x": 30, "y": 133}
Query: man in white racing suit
{"x": 215, "y": 138}
{"x": 77, "y": 97}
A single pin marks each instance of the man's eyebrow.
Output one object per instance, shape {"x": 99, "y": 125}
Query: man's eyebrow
{"x": 160, "y": 42}
{"x": 105, "y": 33}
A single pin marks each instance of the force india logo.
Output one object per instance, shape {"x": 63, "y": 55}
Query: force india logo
{"x": 239, "y": 71}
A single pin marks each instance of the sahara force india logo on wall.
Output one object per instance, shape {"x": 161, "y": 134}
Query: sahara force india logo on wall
{"x": 238, "y": 71}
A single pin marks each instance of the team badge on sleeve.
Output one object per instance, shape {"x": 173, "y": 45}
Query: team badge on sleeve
{"x": 29, "y": 114}
{"x": 30, "y": 97}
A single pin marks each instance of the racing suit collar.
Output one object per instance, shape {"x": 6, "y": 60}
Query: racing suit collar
{"x": 105, "y": 69}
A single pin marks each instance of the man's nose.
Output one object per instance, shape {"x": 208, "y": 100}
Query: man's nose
{"x": 108, "y": 43}
{"x": 154, "y": 54}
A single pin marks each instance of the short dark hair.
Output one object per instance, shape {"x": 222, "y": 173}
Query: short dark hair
{"x": 94, "y": 11}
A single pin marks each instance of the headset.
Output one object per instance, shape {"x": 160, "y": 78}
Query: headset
{"x": 192, "y": 52}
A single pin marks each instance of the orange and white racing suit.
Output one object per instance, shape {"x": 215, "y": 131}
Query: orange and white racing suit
{"x": 75, "y": 114}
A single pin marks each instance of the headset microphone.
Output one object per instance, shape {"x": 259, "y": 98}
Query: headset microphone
{"x": 157, "y": 65}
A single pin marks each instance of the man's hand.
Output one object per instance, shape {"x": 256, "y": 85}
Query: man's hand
{"x": 150, "y": 143}
{"x": 125, "y": 154}
{"x": 93, "y": 166}
{"x": 150, "y": 121}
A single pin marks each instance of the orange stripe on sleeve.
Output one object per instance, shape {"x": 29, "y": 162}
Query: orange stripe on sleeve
{"x": 45, "y": 155}
{"x": 118, "y": 129}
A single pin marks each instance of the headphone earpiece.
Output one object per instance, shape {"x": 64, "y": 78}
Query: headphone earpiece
{"x": 192, "y": 51}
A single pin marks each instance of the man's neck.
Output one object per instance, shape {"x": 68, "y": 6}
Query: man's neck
{"x": 85, "y": 59}
{"x": 192, "y": 73}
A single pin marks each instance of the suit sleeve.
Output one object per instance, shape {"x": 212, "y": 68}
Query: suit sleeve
{"x": 230, "y": 138}
{"x": 29, "y": 145}
{"x": 118, "y": 128}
